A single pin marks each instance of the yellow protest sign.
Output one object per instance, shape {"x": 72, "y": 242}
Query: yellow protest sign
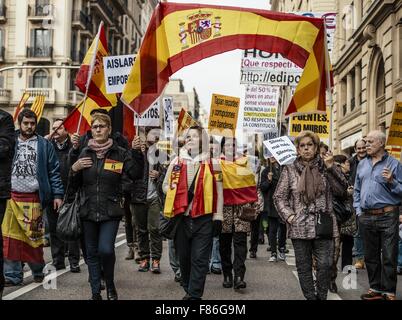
{"x": 316, "y": 122}
{"x": 395, "y": 130}
{"x": 165, "y": 145}
{"x": 394, "y": 151}
{"x": 223, "y": 115}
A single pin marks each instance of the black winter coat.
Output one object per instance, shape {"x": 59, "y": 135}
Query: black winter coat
{"x": 7, "y": 144}
{"x": 268, "y": 189}
{"x": 102, "y": 190}
{"x": 62, "y": 155}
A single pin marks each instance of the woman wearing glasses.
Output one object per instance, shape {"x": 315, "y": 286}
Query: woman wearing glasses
{"x": 102, "y": 171}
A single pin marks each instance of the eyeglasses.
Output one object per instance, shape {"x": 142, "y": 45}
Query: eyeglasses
{"x": 99, "y": 126}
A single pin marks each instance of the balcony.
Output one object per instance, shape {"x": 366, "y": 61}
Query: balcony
{"x": 74, "y": 97}
{"x": 38, "y": 13}
{"x": 50, "y": 94}
{"x": 3, "y": 11}
{"x": 77, "y": 56}
{"x": 104, "y": 9}
{"x": 40, "y": 54}
{"x": 82, "y": 21}
{"x": 5, "y": 96}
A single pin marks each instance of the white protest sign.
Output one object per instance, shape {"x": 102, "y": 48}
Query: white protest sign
{"x": 268, "y": 135}
{"x": 260, "y": 108}
{"x": 149, "y": 118}
{"x": 168, "y": 116}
{"x": 117, "y": 70}
{"x": 282, "y": 149}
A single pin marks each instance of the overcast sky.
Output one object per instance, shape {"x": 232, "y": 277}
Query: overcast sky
{"x": 221, "y": 73}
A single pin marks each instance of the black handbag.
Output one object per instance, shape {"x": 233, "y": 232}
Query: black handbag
{"x": 168, "y": 227}
{"x": 342, "y": 210}
{"x": 68, "y": 223}
{"x": 323, "y": 225}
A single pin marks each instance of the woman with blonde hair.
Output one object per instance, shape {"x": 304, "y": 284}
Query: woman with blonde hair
{"x": 303, "y": 198}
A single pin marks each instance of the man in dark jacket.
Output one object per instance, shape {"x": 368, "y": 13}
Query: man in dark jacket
{"x": 62, "y": 145}
{"x": 146, "y": 206}
{"x": 361, "y": 153}
{"x": 35, "y": 184}
{"x": 7, "y": 142}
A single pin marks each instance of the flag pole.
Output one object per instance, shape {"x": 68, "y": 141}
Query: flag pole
{"x": 329, "y": 93}
{"x": 91, "y": 70}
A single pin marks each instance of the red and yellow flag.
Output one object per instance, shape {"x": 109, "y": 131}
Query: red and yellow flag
{"x": 184, "y": 121}
{"x": 38, "y": 105}
{"x": 239, "y": 185}
{"x": 181, "y": 34}
{"x": 91, "y": 72}
{"x": 21, "y": 104}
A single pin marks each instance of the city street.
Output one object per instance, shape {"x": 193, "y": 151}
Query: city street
{"x": 265, "y": 281}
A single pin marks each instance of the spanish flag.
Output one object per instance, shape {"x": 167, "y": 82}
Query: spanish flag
{"x": 90, "y": 78}
{"x": 181, "y": 34}
{"x": 239, "y": 185}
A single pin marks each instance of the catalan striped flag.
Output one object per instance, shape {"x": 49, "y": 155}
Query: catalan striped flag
{"x": 38, "y": 105}
{"x": 239, "y": 185}
{"x": 23, "y": 228}
{"x": 90, "y": 78}
{"x": 181, "y": 34}
{"x": 21, "y": 104}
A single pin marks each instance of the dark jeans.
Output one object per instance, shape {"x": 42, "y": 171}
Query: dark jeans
{"x": 240, "y": 253}
{"x": 322, "y": 250}
{"x": 380, "y": 239}
{"x": 276, "y": 234}
{"x": 3, "y": 203}
{"x": 146, "y": 217}
{"x": 58, "y": 246}
{"x": 99, "y": 240}
{"x": 255, "y": 233}
{"x": 347, "y": 247}
{"x": 193, "y": 244}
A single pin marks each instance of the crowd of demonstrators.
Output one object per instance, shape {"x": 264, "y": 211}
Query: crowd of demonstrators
{"x": 377, "y": 198}
{"x": 361, "y": 153}
{"x": 101, "y": 174}
{"x": 7, "y": 142}
{"x": 303, "y": 198}
{"x": 35, "y": 185}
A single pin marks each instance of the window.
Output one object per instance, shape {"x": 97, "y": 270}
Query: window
{"x": 41, "y": 43}
{"x": 40, "y": 79}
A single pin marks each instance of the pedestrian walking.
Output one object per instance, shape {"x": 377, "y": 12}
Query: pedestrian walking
{"x": 102, "y": 173}
{"x": 377, "y": 198}
{"x": 303, "y": 198}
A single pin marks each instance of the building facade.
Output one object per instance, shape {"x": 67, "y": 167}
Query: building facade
{"x": 367, "y": 64}
{"x": 42, "y": 35}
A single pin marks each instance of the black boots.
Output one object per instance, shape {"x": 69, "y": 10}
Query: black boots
{"x": 227, "y": 281}
{"x": 239, "y": 283}
{"x": 111, "y": 292}
{"x": 96, "y": 296}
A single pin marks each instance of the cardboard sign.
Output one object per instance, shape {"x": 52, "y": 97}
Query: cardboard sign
{"x": 223, "y": 115}
{"x": 149, "y": 118}
{"x": 117, "y": 70}
{"x": 260, "y": 108}
{"x": 318, "y": 123}
{"x": 268, "y": 135}
{"x": 282, "y": 149}
{"x": 395, "y": 130}
{"x": 167, "y": 103}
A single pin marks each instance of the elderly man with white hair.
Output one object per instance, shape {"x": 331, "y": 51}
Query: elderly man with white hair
{"x": 377, "y": 197}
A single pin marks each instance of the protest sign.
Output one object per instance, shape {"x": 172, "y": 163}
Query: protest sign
{"x": 282, "y": 149}
{"x": 394, "y": 151}
{"x": 117, "y": 70}
{"x": 223, "y": 115}
{"x": 268, "y": 135}
{"x": 168, "y": 116}
{"x": 149, "y": 118}
{"x": 395, "y": 130}
{"x": 318, "y": 123}
{"x": 260, "y": 108}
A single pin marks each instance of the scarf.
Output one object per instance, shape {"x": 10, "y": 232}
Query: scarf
{"x": 100, "y": 149}
{"x": 311, "y": 183}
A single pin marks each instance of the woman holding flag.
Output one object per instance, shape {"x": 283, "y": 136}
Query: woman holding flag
{"x": 193, "y": 199}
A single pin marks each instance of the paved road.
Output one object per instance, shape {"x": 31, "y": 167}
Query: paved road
{"x": 265, "y": 281}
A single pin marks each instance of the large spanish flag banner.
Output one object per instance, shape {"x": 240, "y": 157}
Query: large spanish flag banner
{"x": 91, "y": 72}
{"x": 23, "y": 228}
{"x": 239, "y": 185}
{"x": 181, "y": 34}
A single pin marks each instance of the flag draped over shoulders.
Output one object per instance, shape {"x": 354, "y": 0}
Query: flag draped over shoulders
{"x": 181, "y": 34}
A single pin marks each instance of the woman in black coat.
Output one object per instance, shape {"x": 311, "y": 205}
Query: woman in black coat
{"x": 103, "y": 171}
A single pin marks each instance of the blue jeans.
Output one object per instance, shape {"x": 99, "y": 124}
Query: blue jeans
{"x": 99, "y": 242}
{"x": 358, "y": 243}
{"x": 215, "y": 260}
{"x": 13, "y": 270}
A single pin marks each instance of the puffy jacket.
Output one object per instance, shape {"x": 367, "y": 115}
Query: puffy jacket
{"x": 7, "y": 142}
{"x": 101, "y": 194}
